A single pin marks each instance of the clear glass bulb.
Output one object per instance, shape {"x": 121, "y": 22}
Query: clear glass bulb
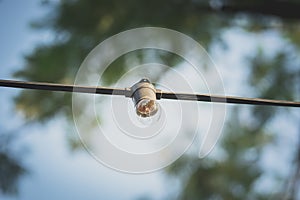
{"x": 146, "y": 108}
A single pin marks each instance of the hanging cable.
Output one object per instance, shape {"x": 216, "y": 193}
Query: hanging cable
{"x": 160, "y": 94}
{"x": 228, "y": 99}
{"x": 61, "y": 87}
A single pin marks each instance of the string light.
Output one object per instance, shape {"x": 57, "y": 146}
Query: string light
{"x": 145, "y": 95}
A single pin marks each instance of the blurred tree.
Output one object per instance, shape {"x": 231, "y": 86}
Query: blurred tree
{"x": 10, "y": 172}
{"x": 10, "y": 167}
{"x": 79, "y": 25}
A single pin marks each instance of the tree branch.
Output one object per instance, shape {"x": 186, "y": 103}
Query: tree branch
{"x": 281, "y": 9}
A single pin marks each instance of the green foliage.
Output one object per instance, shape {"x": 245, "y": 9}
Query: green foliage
{"x": 80, "y": 26}
{"x": 10, "y": 171}
{"x": 234, "y": 175}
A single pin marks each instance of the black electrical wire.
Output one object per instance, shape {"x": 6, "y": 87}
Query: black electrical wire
{"x": 228, "y": 99}
{"x": 159, "y": 94}
{"x": 61, "y": 87}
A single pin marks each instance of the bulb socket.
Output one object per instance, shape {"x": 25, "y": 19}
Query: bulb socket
{"x": 143, "y": 94}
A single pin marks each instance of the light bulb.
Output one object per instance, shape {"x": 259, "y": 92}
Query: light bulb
{"x": 143, "y": 94}
{"x": 146, "y": 107}
{"x": 148, "y": 112}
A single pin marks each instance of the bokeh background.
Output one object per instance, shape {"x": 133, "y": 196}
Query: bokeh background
{"x": 255, "y": 45}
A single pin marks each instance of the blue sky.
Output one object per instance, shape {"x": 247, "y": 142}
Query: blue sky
{"x": 54, "y": 172}
{"x": 16, "y": 36}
